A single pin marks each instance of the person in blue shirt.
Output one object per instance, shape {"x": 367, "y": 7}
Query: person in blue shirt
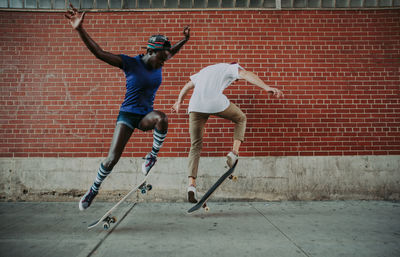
{"x": 143, "y": 78}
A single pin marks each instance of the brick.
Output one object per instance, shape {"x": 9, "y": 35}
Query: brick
{"x": 339, "y": 71}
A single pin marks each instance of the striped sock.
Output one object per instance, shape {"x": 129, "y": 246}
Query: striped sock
{"x": 101, "y": 175}
{"x": 158, "y": 140}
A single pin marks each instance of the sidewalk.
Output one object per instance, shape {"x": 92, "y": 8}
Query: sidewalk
{"x": 233, "y": 229}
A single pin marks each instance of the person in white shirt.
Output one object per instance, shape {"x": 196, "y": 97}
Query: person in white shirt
{"x": 208, "y": 99}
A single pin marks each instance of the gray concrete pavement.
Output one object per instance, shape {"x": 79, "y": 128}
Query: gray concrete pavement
{"x": 325, "y": 229}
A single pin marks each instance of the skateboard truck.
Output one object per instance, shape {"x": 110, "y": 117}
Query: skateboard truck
{"x": 145, "y": 187}
{"x": 107, "y": 221}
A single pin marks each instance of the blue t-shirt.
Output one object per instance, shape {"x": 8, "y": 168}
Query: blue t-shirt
{"x": 141, "y": 85}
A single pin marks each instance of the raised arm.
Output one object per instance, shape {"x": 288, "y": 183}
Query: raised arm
{"x": 76, "y": 20}
{"x": 255, "y": 80}
{"x": 175, "y": 48}
{"x": 184, "y": 91}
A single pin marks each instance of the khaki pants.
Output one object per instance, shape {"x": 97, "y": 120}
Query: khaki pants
{"x": 197, "y": 122}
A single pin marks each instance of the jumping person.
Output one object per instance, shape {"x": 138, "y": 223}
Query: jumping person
{"x": 208, "y": 99}
{"x": 143, "y": 78}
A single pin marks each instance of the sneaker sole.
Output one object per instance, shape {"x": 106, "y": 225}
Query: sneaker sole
{"x": 81, "y": 207}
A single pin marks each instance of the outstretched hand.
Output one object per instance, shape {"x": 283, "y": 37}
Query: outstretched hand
{"x": 176, "y": 107}
{"x": 186, "y": 32}
{"x": 275, "y": 92}
{"x": 75, "y": 18}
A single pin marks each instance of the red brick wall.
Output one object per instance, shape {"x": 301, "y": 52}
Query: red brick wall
{"x": 339, "y": 71}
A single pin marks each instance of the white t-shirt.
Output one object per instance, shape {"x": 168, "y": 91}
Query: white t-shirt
{"x": 209, "y": 85}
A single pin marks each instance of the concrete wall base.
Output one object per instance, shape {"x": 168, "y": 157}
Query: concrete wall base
{"x": 260, "y": 178}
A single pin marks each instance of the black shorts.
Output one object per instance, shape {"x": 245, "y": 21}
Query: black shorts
{"x": 132, "y": 120}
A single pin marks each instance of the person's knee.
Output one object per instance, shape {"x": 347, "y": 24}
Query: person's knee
{"x": 242, "y": 118}
{"x": 162, "y": 121}
{"x": 110, "y": 161}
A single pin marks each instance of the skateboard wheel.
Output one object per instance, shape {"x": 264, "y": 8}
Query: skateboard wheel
{"x": 106, "y": 225}
{"x": 113, "y": 219}
{"x": 206, "y": 208}
{"x": 149, "y": 187}
{"x": 233, "y": 177}
{"x": 143, "y": 191}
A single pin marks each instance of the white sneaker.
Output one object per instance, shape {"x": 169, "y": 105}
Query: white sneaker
{"x": 231, "y": 158}
{"x": 148, "y": 163}
{"x": 192, "y": 194}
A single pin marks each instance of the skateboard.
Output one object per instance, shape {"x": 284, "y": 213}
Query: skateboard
{"x": 207, "y": 195}
{"x": 107, "y": 219}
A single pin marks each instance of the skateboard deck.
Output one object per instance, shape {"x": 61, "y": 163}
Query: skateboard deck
{"x": 107, "y": 218}
{"x": 207, "y": 195}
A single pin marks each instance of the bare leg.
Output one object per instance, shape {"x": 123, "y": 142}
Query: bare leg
{"x": 192, "y": 181}
{"x": 122, "y": 133}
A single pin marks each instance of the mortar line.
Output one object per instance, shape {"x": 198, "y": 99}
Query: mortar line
{"x": 109, "y": 232}
{"x": 283, "y": 233}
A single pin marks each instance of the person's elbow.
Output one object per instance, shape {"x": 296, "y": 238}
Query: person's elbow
{"x": 243, "y": 74}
